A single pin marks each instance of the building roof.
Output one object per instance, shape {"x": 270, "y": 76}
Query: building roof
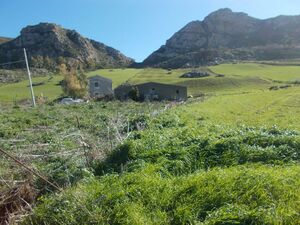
{"x": 128, "y": 85}
{"x": 162, "y": 84}
{"x": 124, "y": 85}
{"x": 100, "y": 77}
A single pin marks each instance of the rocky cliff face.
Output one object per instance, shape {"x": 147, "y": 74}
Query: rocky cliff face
{"x": 49, "y": 45}
{"x": 225, "y": 35}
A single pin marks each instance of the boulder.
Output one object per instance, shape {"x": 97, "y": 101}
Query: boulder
{"x": 195, "y": 75}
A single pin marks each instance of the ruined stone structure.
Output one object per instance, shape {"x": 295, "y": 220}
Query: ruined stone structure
{"x": 152, "y": 91}
{"x": 100, "y": 87}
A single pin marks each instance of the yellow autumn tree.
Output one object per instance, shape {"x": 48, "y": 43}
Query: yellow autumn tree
{"x": 75, "y": 84}
{"x": 62, "y": 69}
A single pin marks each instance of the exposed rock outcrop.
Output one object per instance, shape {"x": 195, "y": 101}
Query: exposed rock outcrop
{"x": 195, "y": 74}
{"x": 50, "y": 45}
{"x": 224, "y": 36}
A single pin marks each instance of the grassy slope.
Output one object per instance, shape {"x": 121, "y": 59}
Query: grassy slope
{"x": 118, "y": 76}
{"x": 172, "y": 174}
{"x": 171, "y": 160}
{"x": 257, "y": 106}
{"x": 19, "y": 91}
{"x": 268, "y": 72}
{"x": 238, "y": 78}
{"x": 262, "y": 108}
{"x": 197, "y": 86}
{"x": 4, "y": 39}
{"x": 241, "y": 97}
{"x": 51, "y": 90}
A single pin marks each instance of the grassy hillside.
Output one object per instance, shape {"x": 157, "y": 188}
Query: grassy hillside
{"x": 241, "y": 96}
{"x": 51, "y": 89}
{"x": 269, "y": 72}
{"x": 237, "y": 78}
{"x": 19, "y": 91}
{"x": 196, "y": 86}
{"x": 175, "y": 172}
{"x": 118, "y": 76}
{"x": 261, "y": 108}
{"x": 148, "y": 165}
{"x": 229, "y": 157}
{"x": 4, "y": 39}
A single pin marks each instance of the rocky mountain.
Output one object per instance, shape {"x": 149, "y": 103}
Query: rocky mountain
{"x": 49, "y": 45}
{"x": 226, "y": 36}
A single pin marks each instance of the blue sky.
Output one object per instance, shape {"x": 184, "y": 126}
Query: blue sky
{"x": 135, "y": 27}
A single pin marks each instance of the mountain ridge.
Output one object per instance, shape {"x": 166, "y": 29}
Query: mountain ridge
{"x": 50, "y": 45}
{"x": 225, "y": 35}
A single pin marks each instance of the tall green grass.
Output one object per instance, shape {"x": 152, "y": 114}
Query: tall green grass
{"x": 239, "y": 195}
{"x": 231, "y": 157}
{"x": 171, "y": 173}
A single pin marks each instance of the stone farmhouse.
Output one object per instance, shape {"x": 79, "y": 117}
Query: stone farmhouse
{"x": 100, "y": 87}
{"x": 152, "y": 91}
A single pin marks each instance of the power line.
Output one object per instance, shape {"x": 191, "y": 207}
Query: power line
{"x": 9, "y": 63}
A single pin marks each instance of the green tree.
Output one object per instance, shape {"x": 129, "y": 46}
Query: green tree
{"x": 134, "y": 94}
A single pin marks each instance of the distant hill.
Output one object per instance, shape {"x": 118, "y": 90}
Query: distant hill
{"x": 4, "y": 39}
{"x": 225, "y": 36}
{"x": 49, "y": 45}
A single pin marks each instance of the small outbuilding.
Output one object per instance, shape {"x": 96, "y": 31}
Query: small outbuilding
{"x": 100, "y": 87}
{"x": 151, "y": 91}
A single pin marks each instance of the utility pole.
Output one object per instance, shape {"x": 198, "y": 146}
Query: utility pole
{"x": 30, "y": 81}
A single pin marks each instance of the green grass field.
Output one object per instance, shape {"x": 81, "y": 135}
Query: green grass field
{"x": 242, "y": 96}
{"x": 196, "y": 86}
{"x": 118, "y": 76}
{"x": 239, "y": 78}
{"x": 258, "y": 109}
{"x": 268, "y": 72}
{"x": 20, "y": 90}
{"x": 51, "y": 89}
{"x": 230, "y": 156}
